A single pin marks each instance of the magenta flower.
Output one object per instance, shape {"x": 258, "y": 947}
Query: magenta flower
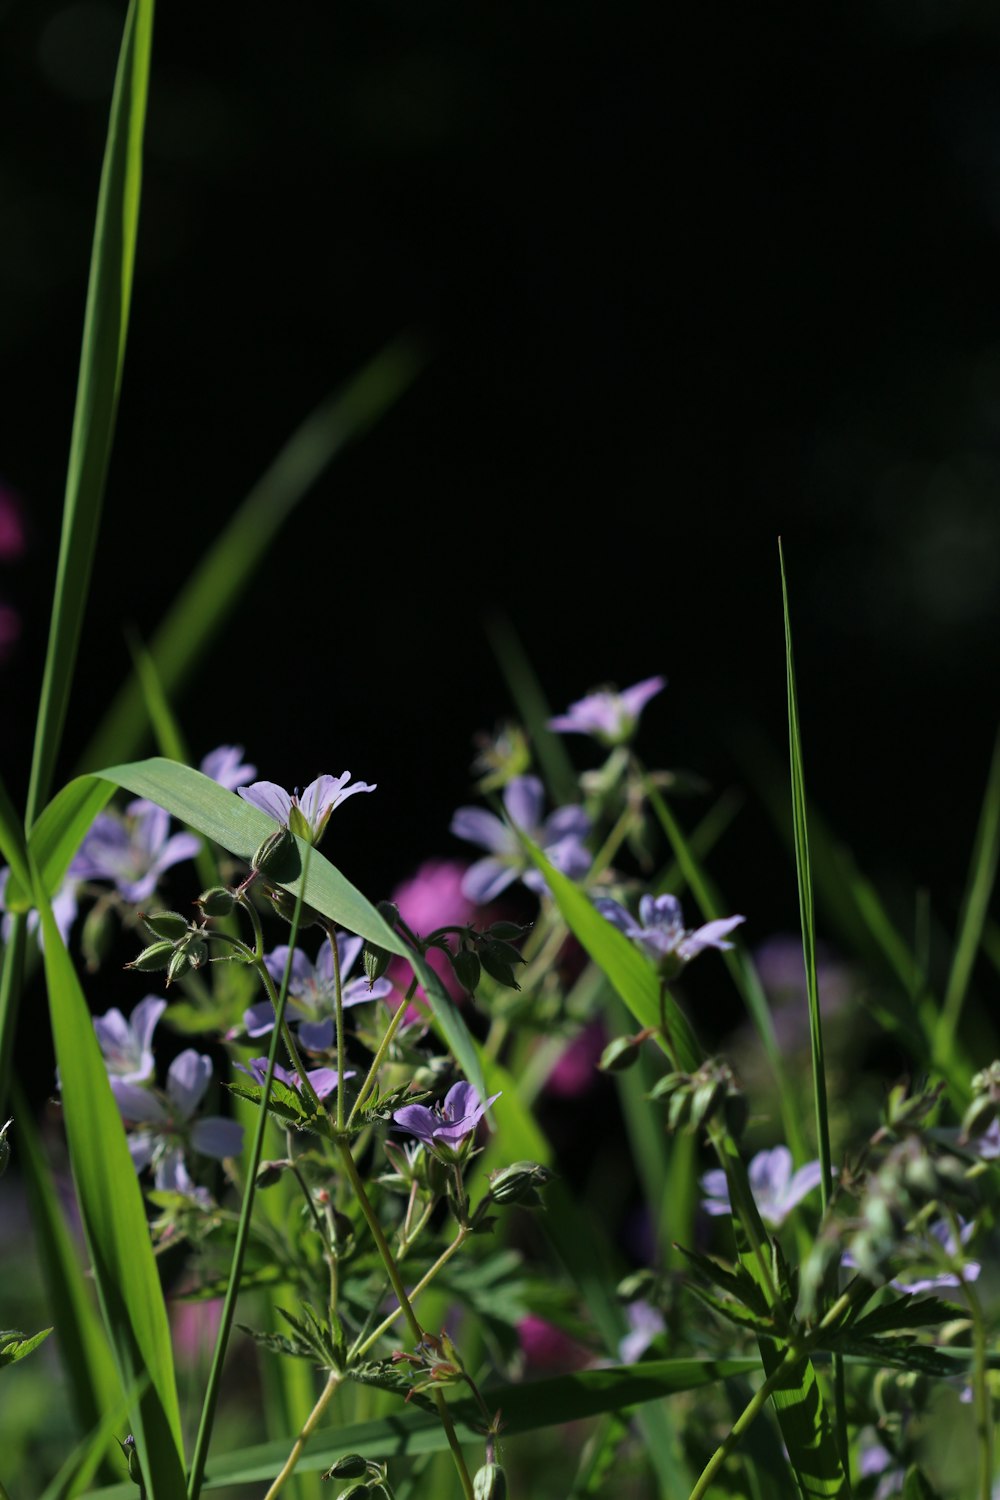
{"x": 776, "y": 1188}
{"x": 133, "y": 850}
{"x": 447, "y": 1125}
{"x": 12, "y": 532}
{"x": 609, "y": 716}
{"x": 660, "y": 931}
{"x": 322, "y": 1081}
{"x": 546, "y": 1347}
{"x": 162, "y": 1126}
{"x": 312, "y": 992}
{"x": 560, "y": 836}
{"x": 126, "y": 1045}
{"x": 227, "y": 766}
{"x": 305, "y": 813}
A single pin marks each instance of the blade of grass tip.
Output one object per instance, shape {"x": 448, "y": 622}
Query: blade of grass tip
{"x": 102, "y": 358}
{"x": 223, "y": 575}
{"x": 529, "y": 700}
{"x": 807, "y": 917}
{"x": 979, "y": 889}
{"x": 86, "y": 1355}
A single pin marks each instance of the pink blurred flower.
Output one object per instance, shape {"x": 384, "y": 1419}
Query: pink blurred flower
{"x": 195, "y": 1326}
{"x": 546, "y": 1347}
{"x": 10, "y": 630}
{"x": 12, "y": 535}
{"x": 576, "y": 1070}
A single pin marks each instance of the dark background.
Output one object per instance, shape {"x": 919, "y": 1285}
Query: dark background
{"x": 688, "y": 277}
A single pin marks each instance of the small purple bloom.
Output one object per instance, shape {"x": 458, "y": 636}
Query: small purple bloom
{"x": 940, "y": 1231}
{"x": 306, "y": 813}
{"x": 446, "y": 1125}
{"x": 133, "y": 851}
{"x": 128, "y": 1054}
{"x": 162, "y": 1126}
{"x": 323, "y": 1081}
{"x": 645, "y": 1324}
{"x": 660, "y": 932}
{"x": 609, "y": 716}
{"x": 312, "y": 992}
{"x": 776, "y": 1188}
{"x": 227, "y": 766}
{"x": 560, "y": 837}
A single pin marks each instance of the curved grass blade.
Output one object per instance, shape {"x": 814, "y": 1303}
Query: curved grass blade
{"x": 105, "y": 325}
{"x": 114, "y": 1221}
{"x": 216, "y": 585}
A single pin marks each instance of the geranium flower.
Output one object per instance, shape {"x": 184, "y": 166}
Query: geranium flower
{"x": 125, "y": 1045}
{"x": 162, "y": 1125}
{"x": 447, "y": 1124}
{"x": 609, "y": 716}
{"x": 312, "y": 992}
{"x": 322, "y": 1081}
{"x": 560, "y": 836}
{"x": 660, "y": 932}
{"x": 133, "y": 850}
{"x": 227, "y": 766}
{"x": 776, "y": 1188}
{"x": 305, "y": 813}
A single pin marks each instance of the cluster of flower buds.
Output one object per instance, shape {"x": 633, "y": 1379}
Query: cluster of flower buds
{"x": 985, "y": 1105}
{"x": 369, "y": 1478}
{"x": 696, "y": 1098}
{"x": 436, "y": 1359}
{"x": 491, "y": 951}
{"x": 910, "y": 1178}
{"x": 179, "y": 945}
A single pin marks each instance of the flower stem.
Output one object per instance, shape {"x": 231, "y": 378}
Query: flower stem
{"x": 421, "y": 1286}
{"x": 383, "y": 1048}
{"x": 332, "y": 1381}
{"x": 338, "y": 1001}
{"x": 406, "y": 1307}
{"x": 306, "y": 1087}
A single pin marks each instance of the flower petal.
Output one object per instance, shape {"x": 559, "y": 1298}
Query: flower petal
{"x": 269, "y": 797}
{"x": 214, "y": 1136}
{"x": 524, "y": 798}
{"x": 187, "y": 1080}
{"x": 484, "y": 880}
{"x": 477, "y": 826}
{"x": 418, "y": 1120}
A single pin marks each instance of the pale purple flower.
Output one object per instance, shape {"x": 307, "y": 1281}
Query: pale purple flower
{"x": 645, "y": 1324}
{"x": 306, "y": 813}
{"x": 64, "y": 907}
{"x": 446, "y": 1124}
{"x": 941, "y": 1231}
{"x": 660, "y": 932}
{"x": 776, "y": 1188}
{"x": 162, "y": 1125}
{"x": 609, "y": 716}
{"x": 227, "y": 766}
{"x": 322, "y": 1081}
{"x": 560, "y": 837}
{"x": 125, "y": 1045}
{"x": 874, "y": 1459}
{"x": 133, "y": 850}
{"x": 312, "y": 992}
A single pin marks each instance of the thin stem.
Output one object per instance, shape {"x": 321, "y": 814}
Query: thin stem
{"x": 421, "y": 1286}
{"x": 332, "y": 1381}
{"x": 317, "y": 1217}
{"x": 383, "y": 1048}
{"x": 389, "y": 1261}
{"x": 281, "y": 1025}
{"x": 338, "y": 1001}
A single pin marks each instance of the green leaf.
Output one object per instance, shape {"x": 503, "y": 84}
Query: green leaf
{"x": 916, "y": 1485}
{"x": 15, "y": 1345}
{"x": 909, "y": 1311}
{"x": 105, "y": 325}
{"x": 114, "y": 1221}
{"x": 12, "y": 847}
{"x": 221, "y": 577}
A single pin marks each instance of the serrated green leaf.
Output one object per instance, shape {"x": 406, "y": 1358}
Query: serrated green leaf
{"x": 15, "y": 1345}
{"x": 734, "y": 1312}
{"x": 909, "y": 1311}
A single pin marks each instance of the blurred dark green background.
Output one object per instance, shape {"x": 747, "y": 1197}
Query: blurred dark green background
{"x": 688, "y": 278}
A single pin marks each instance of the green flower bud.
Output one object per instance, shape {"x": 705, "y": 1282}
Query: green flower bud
{"x": 167, "y": 924}
{"x": 269, "y": 1173}
{"x": 520, "y": 1183}
{"x": 178, "y": 965}
{"x": 351, "y": 1466}
{"x": 285, "y": 903}
{"x": 490, "y": 1483}
{"x": 498, "y": 959}
{"x": 375, "y": 959}
{"x": 156, "y": 956}
{"x": 4, "y": 1147}
{"x": 620, "y": 1054}
{"x": 467, "y": 969}
{"x": 508, "y": 931}
{"x": 278, "y": 856}
{"x": 127, "y": 1445}
{"x": 217, "y": 901}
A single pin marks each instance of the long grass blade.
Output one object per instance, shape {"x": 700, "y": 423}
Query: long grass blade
{"x": 102, "y": 359}
{"x": 223, "y": 575}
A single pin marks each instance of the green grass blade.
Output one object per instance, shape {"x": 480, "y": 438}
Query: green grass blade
{"x": 86, "y": 1355}
{"x": 114, "y": 1222}
{"x": 57, "y": 835}
{"x": 527, "y": 1407}
{"x": 220, "y": 579}
{"x": 979, "y": 889}
{"x": 104, "y": 331}
{"x": 12, "y": 846}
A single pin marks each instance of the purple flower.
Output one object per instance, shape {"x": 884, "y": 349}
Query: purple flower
{"x": 312, "y": 992}
{"x": 560, "y": 836}
{"x": 227, "y": 766}
{"x": 447, "y": 1125}
{"x": 126, "y": 1044}
{"x": 133, "y": 851}
{"x": 775, "y": 1187}
{"x": 162, "y": 1126}
{"x": 941, "y": 1232}
{"x": 305, "y": 813}
{"x": 64, "y": 907}
{"x": 645, "y": 1324}
{"x": 660, "y": 931}
{"x": 323, "y": 1081}
{"x": 609, "y": 716}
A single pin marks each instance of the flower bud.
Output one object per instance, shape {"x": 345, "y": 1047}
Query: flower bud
{"x": 156, "y": 956}
{"x": 4, "y": 1147}
{"x": 520, "y": 1183}
{"x": 508, "y": 931}
{"x": 127, "y": 1445}
{"x": 351, "y": 1466}
{"x": 269, "y": 1173}
{"x": 285, "y": 903}
{"x": 217, "y": 901}
{"x": 178, "y": 965}
{"x": 375, "y": 959}
{"x": 166, "y": 924}
{"x": 498, "y": 959}
{"x": 490, "y": 1483}
{"x": 620, "y": 1054}
{"x": 467, "y": 969}
{"x": 278, "y": 856}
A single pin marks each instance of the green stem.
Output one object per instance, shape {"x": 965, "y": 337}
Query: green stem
{"x": 338, "y": 1001}
{"x": 332, "y": 1381}
{"x": 282, "y": 1026}
{"x": 383, "y": 1048}
{"x": 389, "y": 1261}
{"x": 421, "y": 1286}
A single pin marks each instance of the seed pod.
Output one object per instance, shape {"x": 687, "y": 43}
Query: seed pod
{"x": 508, "y": 931}
{"x": 351, "y": 1466}
{"x": 276, "y": 855}
{"x": 167, "y": 924}
{"x": 178, "y": 965}
{"x": 217, "y": 901}
{"x": 490, "y": 1483}
{"x": 285, "y": 903}
{"x": 520, "y": 1183}
{"x": 156, "y": 956}
{"x": 620, "y": 1054}
{"x": 467, "y": 969}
